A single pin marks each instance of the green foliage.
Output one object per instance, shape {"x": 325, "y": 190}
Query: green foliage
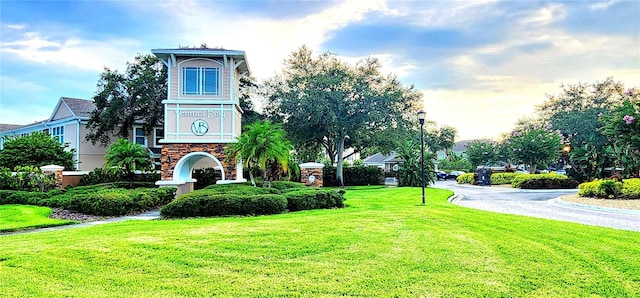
{"x": 124, "y": 99}
{"x": 588, "y": 162}
{"x": 628, "y": 189}
{"x": 205, "y": 177}
{"x": 26, "y": 178}
{"x": 307, "y": 199}
{"x": 36, "y": 149}
{"x": 263, "y": 145}
{"x": 205, "y": 202}
{"x": 466, "y": 178}
{"x": 369, "y": 175}
{"x": 128, "y": 157}
{"x": 535, "y": 144}
{"x": 480, "y": 152}
{"x": 325, "y": 102}
{"x": 503, "y": 178}
{"x": 455, "y": 162}
{"x": 100, "y": 175}
{"x": 410, "y": 173}
{"x": 240, "y": 189}
{"x": 543, "y": 181}
{"x": 106, "y": 199}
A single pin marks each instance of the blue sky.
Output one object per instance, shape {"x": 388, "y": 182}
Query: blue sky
{"x": 481, "y": 65}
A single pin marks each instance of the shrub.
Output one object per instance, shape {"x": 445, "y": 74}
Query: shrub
{"x": 99, "y": 176}
{"x": 108, "y": 203}
{"x": 240, "y": 189}
{"x": 22, "y": 197}
{"x": 314, "y": 199}
{"x": 466, "y": 178}
{"x": 543, "y": 181}
{"x": 628, "y": 189}
{"x": 284, "y": 185}
{"x": 370, "y": 175}
{"x": 207, "y": 203}
{"x": 503, "y": 178}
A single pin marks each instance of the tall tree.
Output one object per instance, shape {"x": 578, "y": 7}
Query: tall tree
{"x": 535, "y": 144}
{"x": 123, "y": 99}
{"x": 248, "y": 90}
{"x": 326, "y": 102}
{"x": 263, "y": 145}
{"x": 128, "y": 157}
{"x": 36, "y": 149}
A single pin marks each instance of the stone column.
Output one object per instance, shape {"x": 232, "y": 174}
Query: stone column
{"x": 54, "y": 170}
{"x": 311, "y": 173}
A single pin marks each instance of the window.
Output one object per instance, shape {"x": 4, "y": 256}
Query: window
{"x": 159, "y": 135}
{"x": 200, "y": 81}
{"x": 57, "y": 133}
{"x": 139, "y": 137}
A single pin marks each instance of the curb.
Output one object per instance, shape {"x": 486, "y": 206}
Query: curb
{"x": 560, "y": 202}
{"x": 573, "y": 190}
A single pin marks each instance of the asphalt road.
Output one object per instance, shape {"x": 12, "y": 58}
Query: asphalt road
{"x": 540, "y": 203}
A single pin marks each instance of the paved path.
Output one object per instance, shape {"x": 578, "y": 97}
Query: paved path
{"x": 542, "y": 204}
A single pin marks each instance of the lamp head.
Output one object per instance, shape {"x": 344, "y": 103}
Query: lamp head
{"x": 421, "y": 115}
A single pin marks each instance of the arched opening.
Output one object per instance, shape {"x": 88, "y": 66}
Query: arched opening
{"x": 186, "y": 164}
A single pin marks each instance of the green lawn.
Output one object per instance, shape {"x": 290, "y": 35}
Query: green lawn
{"x": 383, "y": 245}
{"x": 22, "y": 217}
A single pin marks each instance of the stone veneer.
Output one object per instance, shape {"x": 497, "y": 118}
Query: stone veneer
{"x": 177, "y": 151}
{"x": 311, "y": 169}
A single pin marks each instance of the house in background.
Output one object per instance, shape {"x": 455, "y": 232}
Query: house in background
{"x": 68, "y": 124}
{"x": 389, "y": 163}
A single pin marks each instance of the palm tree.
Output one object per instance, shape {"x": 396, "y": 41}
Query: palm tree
{"x": 128, "y": 157}
{"x": 261, "y": 145}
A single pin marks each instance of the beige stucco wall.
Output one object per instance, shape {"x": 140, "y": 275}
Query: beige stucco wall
{"x": 63, "y": 112}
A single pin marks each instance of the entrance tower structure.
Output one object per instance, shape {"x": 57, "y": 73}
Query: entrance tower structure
{"x": 202, "y": 113}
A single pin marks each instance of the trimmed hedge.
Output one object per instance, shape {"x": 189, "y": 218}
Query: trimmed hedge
{"x": 466, "y": 178}
{"x": 359, "y": 175}
{"x": 105, "y": 199}
{"x": 308, "y": 199}
{"x": 243, "y": 199}
{"x": 503, "y": 178}
{"x": 207, "y": 203}
{"x": 628, "y": 189}
{"x": 543, "y": 181}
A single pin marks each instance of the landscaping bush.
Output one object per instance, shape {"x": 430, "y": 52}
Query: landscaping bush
{"x": 240, "y": 189}
{"x": 466, "y": 178}
{"x": 543, "y": 181}
{"x": 207, "y": 203}
{"x": 360, "y": 175}
{"x": 314, "y": 199}
{"x": 21, "y": 197}
{"x": 103, "y": 199}
{"x": 101, "y": 176}
{"x": 503, "y": 178}
{"x": 628, "y": 189}
{"x": 284, "y": 185}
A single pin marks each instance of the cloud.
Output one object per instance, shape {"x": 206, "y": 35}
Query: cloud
{"x": 69, "y": 51}
{"x": 266, "y": 41}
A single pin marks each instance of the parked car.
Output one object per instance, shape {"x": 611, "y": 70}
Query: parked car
{"x": 441, "y": 175}
{"x": 455, "y": 174}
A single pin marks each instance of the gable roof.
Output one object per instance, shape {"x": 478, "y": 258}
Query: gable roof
{"x": 168, "y": 55}
{"x": 81, "y": 108}
{"x": 381, "y": 158}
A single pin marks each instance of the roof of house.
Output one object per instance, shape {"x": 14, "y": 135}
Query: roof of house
{"x": 79, "y": 107}
{"x": 4, "y": 127}
{"x": 381, "y": 158}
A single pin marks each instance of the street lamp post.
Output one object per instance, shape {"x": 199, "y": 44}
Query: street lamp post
{"x": 421, "y": 115}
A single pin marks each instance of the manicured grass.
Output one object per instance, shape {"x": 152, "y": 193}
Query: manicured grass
{"x": 23, "y": 217}
{"x": 384, "y": 244}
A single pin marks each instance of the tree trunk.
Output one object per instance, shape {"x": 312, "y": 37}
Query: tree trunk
{"x": 253, "y": 181}
{"x": 340, "y": 151}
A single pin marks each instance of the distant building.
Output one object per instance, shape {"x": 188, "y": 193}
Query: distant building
{"x": 68, "y": 124}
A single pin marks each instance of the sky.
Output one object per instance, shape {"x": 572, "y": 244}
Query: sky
{"x": 481, "y": 65}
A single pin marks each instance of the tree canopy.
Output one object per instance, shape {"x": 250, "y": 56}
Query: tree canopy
{"x": 327, "y": 103}
{"x": 123, "y": 99}
{"x": 36, "y": 149}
